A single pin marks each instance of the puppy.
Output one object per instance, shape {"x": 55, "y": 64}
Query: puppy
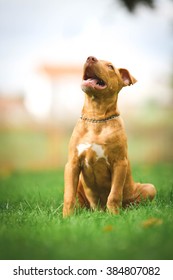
{"x": 98, "y": 170}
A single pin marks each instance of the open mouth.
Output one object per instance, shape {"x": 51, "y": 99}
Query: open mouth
{"x": 92, "y": 80}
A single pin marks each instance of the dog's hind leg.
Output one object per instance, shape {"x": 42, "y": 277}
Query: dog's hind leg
{"x": 145, "y": 192}
{"x": 142, "y": 193}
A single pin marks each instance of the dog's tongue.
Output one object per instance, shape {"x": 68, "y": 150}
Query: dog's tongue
{"x": 90, "y": 82}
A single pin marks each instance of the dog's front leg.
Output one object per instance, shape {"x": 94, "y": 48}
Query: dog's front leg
{"x": 71, "y": 178}
{"x": 114, "y": 201}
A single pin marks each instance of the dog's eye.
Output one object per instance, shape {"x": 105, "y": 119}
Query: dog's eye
{"x": 111, "y": 66}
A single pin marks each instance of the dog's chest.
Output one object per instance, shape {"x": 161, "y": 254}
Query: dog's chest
{"x": 99, "y": 144}
{"x": 96, "y": 147}
{"x": 91, "y": 153}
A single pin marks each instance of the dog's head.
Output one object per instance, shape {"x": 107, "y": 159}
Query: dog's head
{"x": 101, "y": 77}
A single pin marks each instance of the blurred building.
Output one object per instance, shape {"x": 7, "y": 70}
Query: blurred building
{"x": 13, "y": 110}
{"x": 66, "y": 96}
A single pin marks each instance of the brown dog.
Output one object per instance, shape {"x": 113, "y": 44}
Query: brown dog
{"x": 98, "y": 170}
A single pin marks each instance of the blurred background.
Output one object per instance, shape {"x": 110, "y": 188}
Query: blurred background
{"x": 43, "y": 46}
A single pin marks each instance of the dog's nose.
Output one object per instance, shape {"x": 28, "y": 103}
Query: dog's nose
{"x": 91, "y": 59}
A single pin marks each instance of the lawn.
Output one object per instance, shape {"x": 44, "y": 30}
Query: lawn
{"x": 32, "y": 227}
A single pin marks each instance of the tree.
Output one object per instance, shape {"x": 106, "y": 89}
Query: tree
{"x": 131, "y": 4}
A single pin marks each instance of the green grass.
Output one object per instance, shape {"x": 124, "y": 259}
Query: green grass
{"x": 32, "y": 227}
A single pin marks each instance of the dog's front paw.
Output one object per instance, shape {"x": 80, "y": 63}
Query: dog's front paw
{"x": 113, "y": 206}
{"x": 113, "y": 210}
{"x": 67, "y": 211}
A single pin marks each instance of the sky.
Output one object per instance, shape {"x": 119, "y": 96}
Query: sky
{"x": 36, "y": 32}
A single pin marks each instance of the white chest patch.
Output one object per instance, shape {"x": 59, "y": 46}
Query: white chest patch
{"x": 94, "y": 147}
{"x": 83, "y": 147}
{"x": 98, "y": 150}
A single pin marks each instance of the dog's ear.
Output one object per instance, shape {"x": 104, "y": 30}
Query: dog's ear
{"x": 127, "y": 78}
